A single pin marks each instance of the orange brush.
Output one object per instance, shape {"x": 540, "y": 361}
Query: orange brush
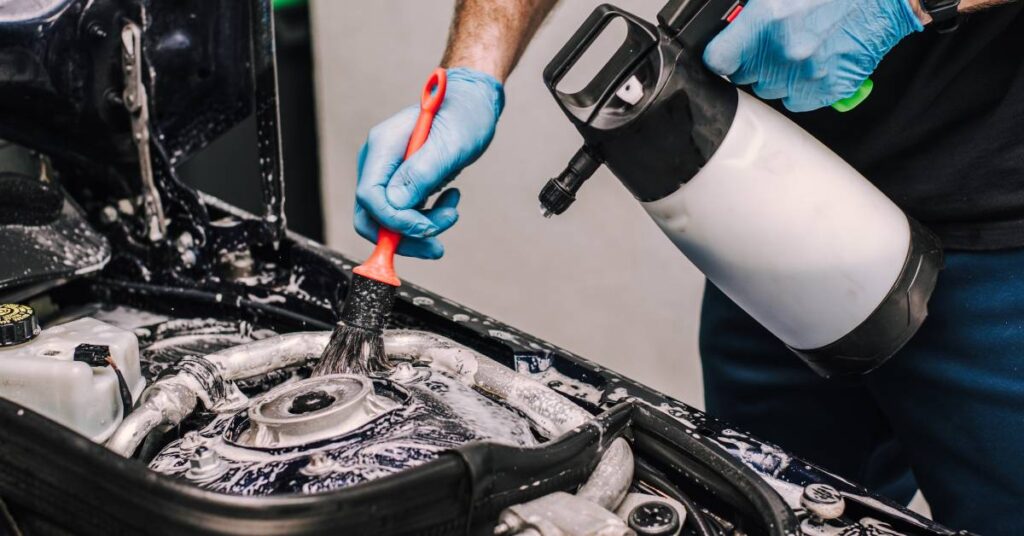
{"x": 356, "y": 345}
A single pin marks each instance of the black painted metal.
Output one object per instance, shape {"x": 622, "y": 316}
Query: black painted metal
{"x": 234, "y": 154}
{"x": 268, "y": 115}
{"x": 60, "y": 61}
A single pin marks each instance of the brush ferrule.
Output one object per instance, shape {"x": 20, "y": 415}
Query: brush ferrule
{"x": 368, "y": 304}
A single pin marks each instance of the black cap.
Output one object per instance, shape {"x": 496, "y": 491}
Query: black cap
{"x": 18, "y": 324}
{"x": 654, "y": 519}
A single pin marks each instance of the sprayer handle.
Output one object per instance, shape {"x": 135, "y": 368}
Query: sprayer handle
{"x": 381, "y": 264}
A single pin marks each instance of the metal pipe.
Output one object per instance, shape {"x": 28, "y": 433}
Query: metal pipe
{"x": 165, "y": 403}
{"x": 260, "y": 357}
{"x": 610, "y": 481}
{"x": 549, "y": 411}
{"x": 440, "y": 353}
{"x": 168, "y": 401}
{"x": 590, "y": 511}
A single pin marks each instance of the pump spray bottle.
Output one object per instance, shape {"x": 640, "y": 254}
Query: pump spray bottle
{"x": 784, "y": 227}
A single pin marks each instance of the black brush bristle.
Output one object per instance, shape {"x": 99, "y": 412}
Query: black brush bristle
{"x": 356, "y": 345}
{"x": 353, "y": 350}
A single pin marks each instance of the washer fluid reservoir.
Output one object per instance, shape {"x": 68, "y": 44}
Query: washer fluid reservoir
{"x": 52, "y": 371}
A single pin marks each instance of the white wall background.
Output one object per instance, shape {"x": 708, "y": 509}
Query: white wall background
{"x": 600, "y": 280}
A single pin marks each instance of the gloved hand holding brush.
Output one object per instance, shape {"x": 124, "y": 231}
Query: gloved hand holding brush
{"x": 809, "y": 53}
{"x": 356, "y": 345}
{"x": 391, "y": 191}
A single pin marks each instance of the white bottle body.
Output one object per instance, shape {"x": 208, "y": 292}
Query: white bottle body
{"x": 42, "y": 375}
{"x": 788, "y": 230}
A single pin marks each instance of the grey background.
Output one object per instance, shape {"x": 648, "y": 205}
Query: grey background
{"x": 601, "y": 280}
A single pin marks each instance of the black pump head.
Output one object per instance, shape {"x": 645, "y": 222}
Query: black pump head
{"x": 653, "y": 113}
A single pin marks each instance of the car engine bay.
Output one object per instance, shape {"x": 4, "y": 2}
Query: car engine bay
{"x": 158, "y": 342}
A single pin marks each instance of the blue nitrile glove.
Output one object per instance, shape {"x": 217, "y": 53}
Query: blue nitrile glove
{"x": 392, "y": 192}
{"x": 809, "y": 53}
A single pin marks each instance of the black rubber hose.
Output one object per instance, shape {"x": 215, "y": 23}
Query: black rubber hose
{"x": 718, "y": 488}
{"x": 695, "y": 518}
{"x": 658, "y": 438}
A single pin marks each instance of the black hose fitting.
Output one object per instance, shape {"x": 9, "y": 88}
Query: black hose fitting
{"x": 559, "y": 193}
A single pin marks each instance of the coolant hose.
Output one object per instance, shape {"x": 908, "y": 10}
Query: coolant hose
{"x": 610, "y": 481}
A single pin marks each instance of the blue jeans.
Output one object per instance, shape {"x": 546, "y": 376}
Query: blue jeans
{"x": 945, "y": 414}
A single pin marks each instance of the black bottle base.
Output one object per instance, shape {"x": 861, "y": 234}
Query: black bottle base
{"x": 893, "y": 322}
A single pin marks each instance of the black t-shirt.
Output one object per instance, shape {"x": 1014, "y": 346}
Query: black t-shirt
{"x": 943, "y": 132}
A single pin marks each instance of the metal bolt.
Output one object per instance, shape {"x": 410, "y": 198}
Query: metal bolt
{"x": 237, "y": 264}
{"x": 126, "y": 207}
{"x": 423, "y": 301}
{"x": 113, "y": 98}
{"x": 188, "y": 258}
{"x": 108, "y": 215}
{"x": 185, "y": 241}
{"x": 204, "y": 459}
{"x": 319, "y": 464}
{"x": 404, "y": 372}
{"x": 823, "y": 501}
{"x": 96, "y": 31}
{"x": 185, "y": 244}
{"x": 205, "y": 464}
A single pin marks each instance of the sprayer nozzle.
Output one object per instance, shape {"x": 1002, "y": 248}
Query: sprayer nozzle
{"x": 559, "y": 193}
{"x": 554, "y": 199}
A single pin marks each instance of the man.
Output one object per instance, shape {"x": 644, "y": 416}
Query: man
{"x": 942, "y": 135}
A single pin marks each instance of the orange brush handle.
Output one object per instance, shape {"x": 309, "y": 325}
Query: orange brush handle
{"x": 381, "y": 264}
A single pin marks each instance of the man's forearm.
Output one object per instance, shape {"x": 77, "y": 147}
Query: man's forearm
{"x": 491, "y": 35}
{"x": 966, "y": 6}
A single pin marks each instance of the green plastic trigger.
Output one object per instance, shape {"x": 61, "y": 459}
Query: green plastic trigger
{"x": 285, "y": 4}
{"x": 851, "y": 102}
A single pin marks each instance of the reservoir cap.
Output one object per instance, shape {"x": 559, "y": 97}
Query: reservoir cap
{"x": 18, "y": 324}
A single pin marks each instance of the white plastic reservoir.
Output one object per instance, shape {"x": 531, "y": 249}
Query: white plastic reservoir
{"x": 42, "y": 375}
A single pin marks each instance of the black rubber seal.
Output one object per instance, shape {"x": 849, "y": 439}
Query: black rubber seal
{"x": 724, "y": 482}
{"x": 70, "y": 483}
{"x": 893, "y": 322}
